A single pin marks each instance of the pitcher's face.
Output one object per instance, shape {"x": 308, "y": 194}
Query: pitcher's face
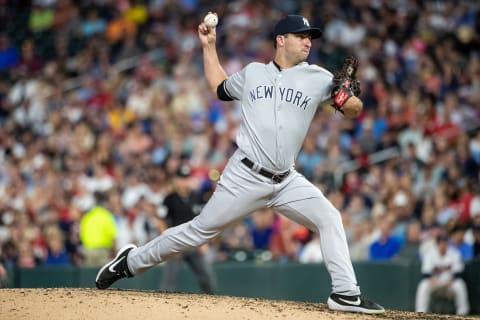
{"x": 297, "y": 46}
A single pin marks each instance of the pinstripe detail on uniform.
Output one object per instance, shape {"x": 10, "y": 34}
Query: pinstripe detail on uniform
{"x": 226, "y": 90}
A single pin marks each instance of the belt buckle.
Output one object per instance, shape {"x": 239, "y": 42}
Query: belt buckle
{"x": 279, "y": 177}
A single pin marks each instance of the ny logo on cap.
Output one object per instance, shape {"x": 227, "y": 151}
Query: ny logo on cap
{"x": 305, "y": 22}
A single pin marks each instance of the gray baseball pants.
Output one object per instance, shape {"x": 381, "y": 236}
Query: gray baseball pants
{"x": 241, "y": 191}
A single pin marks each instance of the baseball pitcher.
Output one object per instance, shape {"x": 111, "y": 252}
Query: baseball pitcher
{"x": 279, "y": 100}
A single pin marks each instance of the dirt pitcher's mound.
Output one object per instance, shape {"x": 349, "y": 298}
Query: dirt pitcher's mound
{"x": 67, "y": 303}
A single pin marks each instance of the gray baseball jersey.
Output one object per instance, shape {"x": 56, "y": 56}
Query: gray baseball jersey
{"x": 277, "y": 108}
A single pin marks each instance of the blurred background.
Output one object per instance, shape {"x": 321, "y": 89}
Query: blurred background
{"x": 101, "y": 102}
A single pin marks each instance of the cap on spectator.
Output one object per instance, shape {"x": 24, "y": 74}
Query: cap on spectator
{"x": 183, "y": 171}
{"x": 294, "y": 23}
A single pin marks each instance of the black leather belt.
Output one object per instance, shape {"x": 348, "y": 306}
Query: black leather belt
{"x": 275, "y": 177}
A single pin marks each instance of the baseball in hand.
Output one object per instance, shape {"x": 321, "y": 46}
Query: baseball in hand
{"x": 211, "y": 19}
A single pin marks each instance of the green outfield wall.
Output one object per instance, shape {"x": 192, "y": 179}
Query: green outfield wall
{"x": 392, "y": 284}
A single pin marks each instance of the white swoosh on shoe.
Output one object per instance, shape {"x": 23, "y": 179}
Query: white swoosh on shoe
{"x": 353, "y": 303}
{"x": 111, "y": 268}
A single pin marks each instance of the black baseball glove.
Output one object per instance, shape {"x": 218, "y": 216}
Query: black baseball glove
{"x": 344, "y": 83}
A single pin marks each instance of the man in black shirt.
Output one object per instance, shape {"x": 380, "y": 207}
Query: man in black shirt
{"x": 182, "y": 205}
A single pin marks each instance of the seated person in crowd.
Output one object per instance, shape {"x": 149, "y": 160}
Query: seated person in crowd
{"x": 441, "y": 268}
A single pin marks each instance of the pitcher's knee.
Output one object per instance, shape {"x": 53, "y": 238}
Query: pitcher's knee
{"x": 332, "y": 217}
{"x": 199, "y": 235}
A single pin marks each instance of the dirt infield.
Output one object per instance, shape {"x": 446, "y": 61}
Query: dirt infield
{"x": 67, "y": 303}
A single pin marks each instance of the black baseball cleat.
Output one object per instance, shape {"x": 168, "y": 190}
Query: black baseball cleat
{"x": 115, "y": 269}
{"x": 353, "y": 304}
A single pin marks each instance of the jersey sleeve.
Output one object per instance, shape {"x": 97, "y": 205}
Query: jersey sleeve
{"x": 233, "y": 85}
{"x": 325, "y": 77}
{"x": 327, "y": 91}
{"x": 329, "y": 88}
{"x": 222, "y": 92}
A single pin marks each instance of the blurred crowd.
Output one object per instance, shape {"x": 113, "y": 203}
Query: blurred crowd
{"x": 101, "y": 101}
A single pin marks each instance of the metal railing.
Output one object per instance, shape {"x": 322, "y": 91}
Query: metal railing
{"x": 373, "y": 158}
{"x": 119, "y": 66}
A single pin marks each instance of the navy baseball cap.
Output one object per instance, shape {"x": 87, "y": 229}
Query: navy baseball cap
{"x": 294, "y": 23}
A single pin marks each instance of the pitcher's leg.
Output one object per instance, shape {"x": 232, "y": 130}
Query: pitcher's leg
{"x": 239, "y": 192}
{"x": 174, "y": 240}
{"x": 320, "y": 215}
{"x": 231, "y": 201}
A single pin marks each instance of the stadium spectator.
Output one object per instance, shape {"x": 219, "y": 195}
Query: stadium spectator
{"x": 286, "y": 238}
{"x": 93, "y": 24}
{"x": 118, "y": 28}
{"x": 182, "y": 205}
{"x": 234, "y": 244}
{"x": 410, "y": 250}
{"x": 457, "y": 240}
{"x": 8, "y": 53}
{"x": 360, "y": 241}
{"x": 41, "y": 18}
{"x": 357, "y": 210}
{"x": 441, "y": 267}
{"x": 311, "y": 252}
{"x": 57, "y": 254}
{"x": 29, "y": 62}
{"x": 25, "y": 257}
{"x": 98, "y": 232}
{"x": 387, "y": 245}
{"x": 309, "y": 157}
{"x": 262, "y": 228}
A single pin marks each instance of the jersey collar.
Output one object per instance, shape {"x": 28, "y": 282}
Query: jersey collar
{"x": 276, "y": 65}
{"x": 280, "y": 69}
